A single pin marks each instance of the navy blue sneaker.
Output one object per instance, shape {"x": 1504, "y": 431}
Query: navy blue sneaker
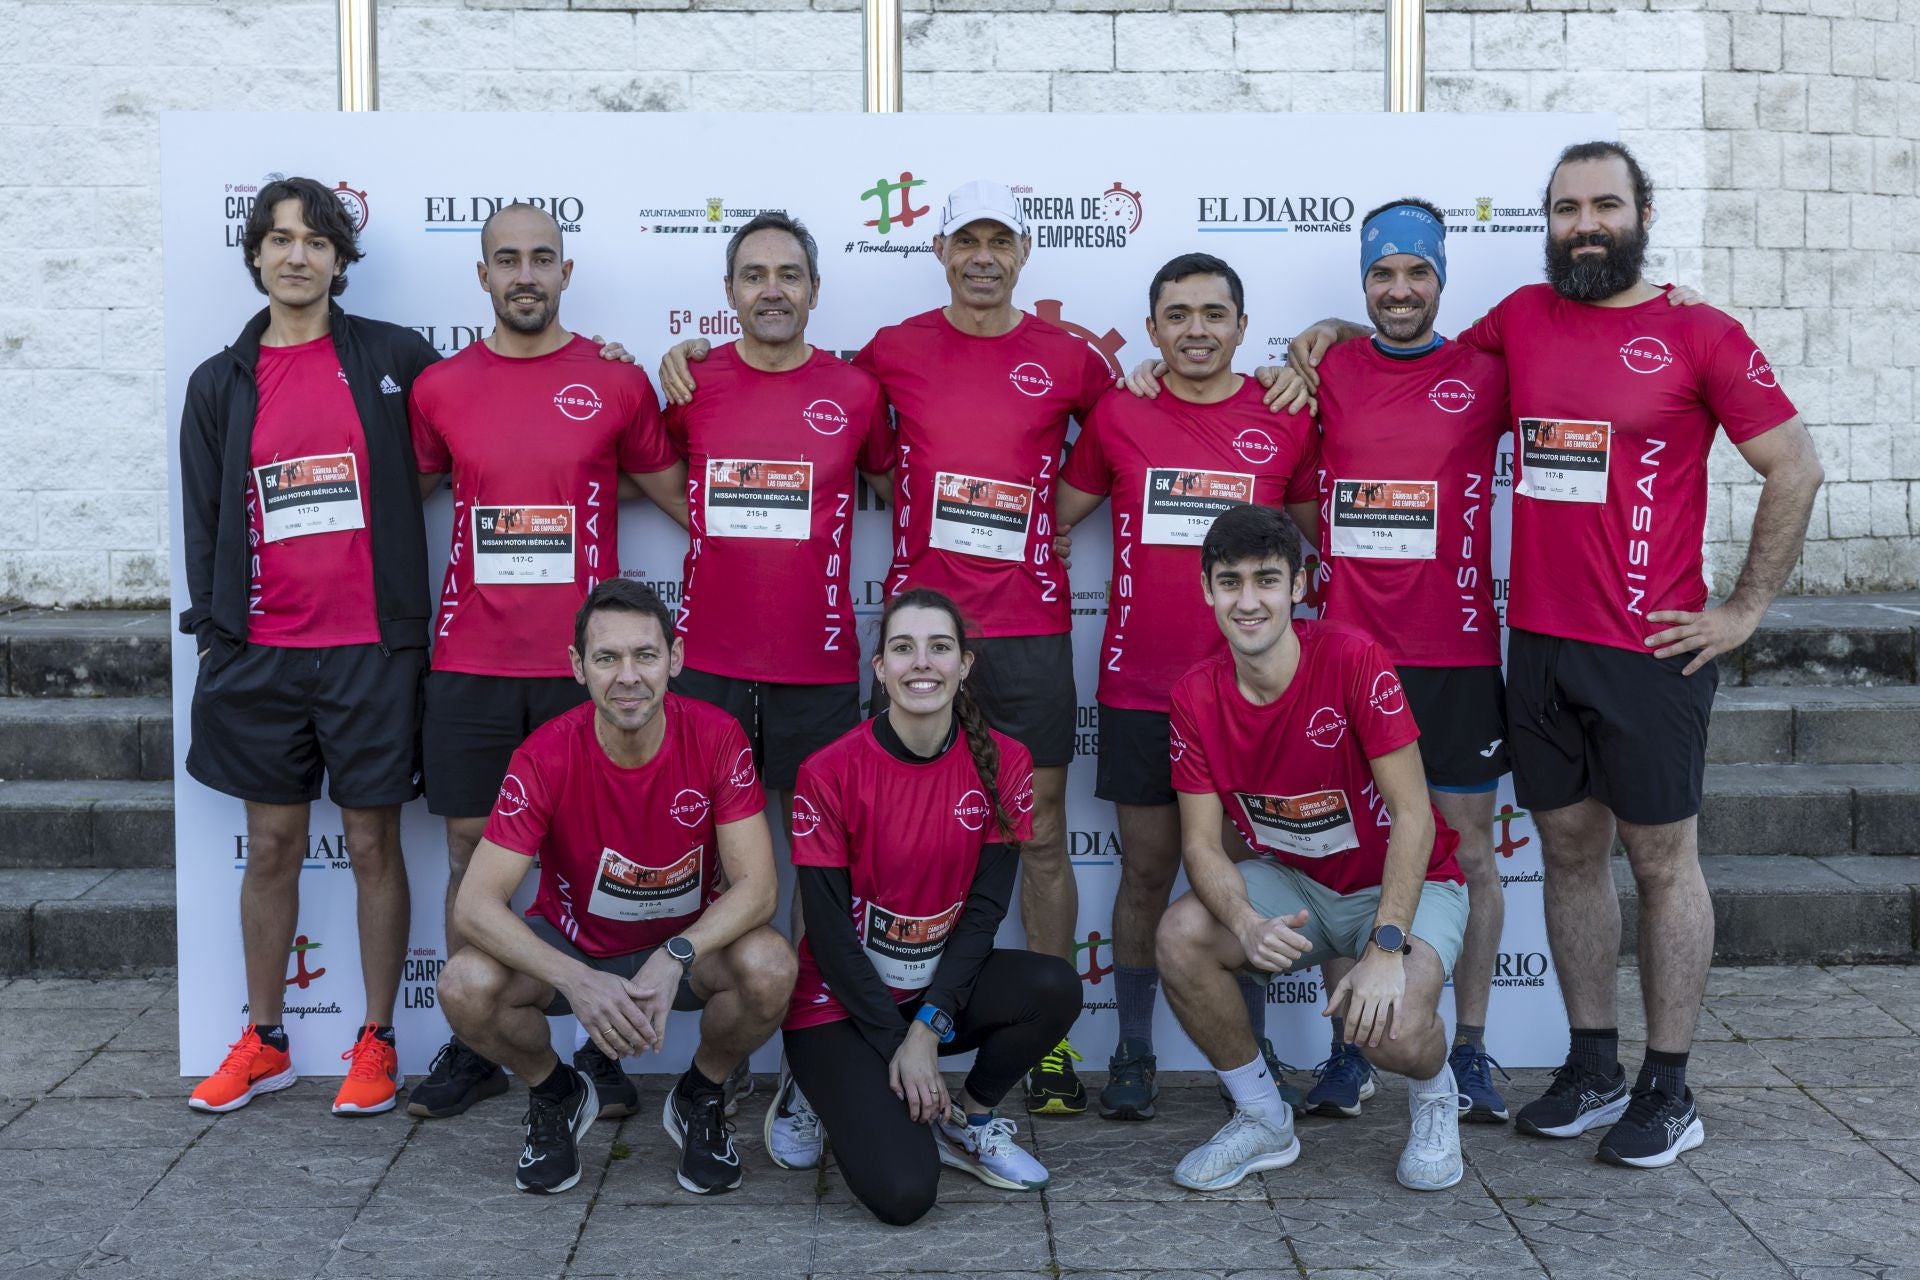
{"x": 1289, "y": 1093}
{"x": 1480, "y": 1102}
{"x": 1341, "y": 1083}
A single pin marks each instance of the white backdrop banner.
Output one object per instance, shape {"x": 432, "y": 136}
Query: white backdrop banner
{"x": 647, "y": 203}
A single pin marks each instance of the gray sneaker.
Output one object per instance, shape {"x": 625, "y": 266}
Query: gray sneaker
{"x": 989, "y": 1152}
{"x": 1246, "y": 1144}
{"x": 1431, "y": 1160}
{"x": 792, "y": 1131}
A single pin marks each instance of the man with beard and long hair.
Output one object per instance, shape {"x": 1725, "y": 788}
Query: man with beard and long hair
{"x": 535, "y": 425}
{"x": 1610, "y": 677}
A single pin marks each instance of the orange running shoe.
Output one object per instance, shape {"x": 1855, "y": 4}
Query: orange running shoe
{"x": 372, "y": 1080}
{"x": 251, "y": 1067}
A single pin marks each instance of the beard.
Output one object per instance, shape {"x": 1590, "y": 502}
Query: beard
{"x": 529, "y": 322}
{"x": 1595, "y": 278}
{"x": 1403, "y": 328}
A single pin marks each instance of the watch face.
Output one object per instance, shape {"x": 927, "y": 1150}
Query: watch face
{"x": 680, "y": 949}
{"x": 1389, "y": 937}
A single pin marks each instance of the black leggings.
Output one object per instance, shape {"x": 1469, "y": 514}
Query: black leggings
{"x": 1022, "y": 1004}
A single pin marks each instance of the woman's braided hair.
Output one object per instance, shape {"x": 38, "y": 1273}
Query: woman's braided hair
{"x": 980, "y": 743}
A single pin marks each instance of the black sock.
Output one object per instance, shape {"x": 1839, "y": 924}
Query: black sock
{"x": 1467, "y": 1033}
{"x": 1666, "y": 1072}
{"x": 559, "y": 1084}
{"x": 385, "y": 1033}
{"x": 1339, "y": 1032}
{"x": 1597, "y": 1049}
{"x": 272, "y": 1033}
{"x": 693, "y": 1084}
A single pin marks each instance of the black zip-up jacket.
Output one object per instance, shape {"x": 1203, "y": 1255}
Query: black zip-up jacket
{"x": 216, "y": 439}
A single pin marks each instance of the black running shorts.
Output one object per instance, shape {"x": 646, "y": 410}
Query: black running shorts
{"x": 620, "y": 966}
{"x": 1591, "y": 720}
{"x": 786, "y": 723}
{"x": 269, "y": 721}
{"x": 1024, "y": 686}
{"x": 473, "y": 726}
{"x": 1134, "y": 767}
{"x": 1462, "y": 714}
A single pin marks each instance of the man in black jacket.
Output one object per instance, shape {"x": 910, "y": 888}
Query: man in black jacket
{"x": 307, "y": 578}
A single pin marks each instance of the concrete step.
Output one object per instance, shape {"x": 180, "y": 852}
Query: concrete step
{"x": 86, "y": 738}
{"x": 1870, "y": 638}
{"x": 88, "y": 653}
{"x": 1772, "y": 910}
{"x": 86, "y": 921}
{"x": 105, "y": 825}
{"x": 1816, "y": 725}
{"x": 1810, "y": 809}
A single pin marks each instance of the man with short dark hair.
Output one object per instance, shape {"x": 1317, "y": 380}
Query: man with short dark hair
{"x": 1300, "y": 736}
{"x": 656, "y": 882}
{"x": 307, "y": 580}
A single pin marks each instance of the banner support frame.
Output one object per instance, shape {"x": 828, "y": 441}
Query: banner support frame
{"x": 881, "y": 55}
{"x": 1406, "y": 70}
{"x": 359, "y": 55}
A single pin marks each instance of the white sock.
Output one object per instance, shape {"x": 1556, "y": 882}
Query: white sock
{"x": 1442, "y": 1083}
{"x": 1254, "y": 1089}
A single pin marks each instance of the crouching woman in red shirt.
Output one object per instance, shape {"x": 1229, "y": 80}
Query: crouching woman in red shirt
{"x": 906, "y": 838}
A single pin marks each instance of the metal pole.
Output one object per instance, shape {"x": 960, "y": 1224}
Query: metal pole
{"x": 359, "y": 61}
{"x": 1406, "y": 55}
{"x": 882, "y": 40}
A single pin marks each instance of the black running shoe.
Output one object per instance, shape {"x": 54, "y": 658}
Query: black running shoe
{"x": 457, "y": 1078}
{"x": 700, "y": 1128}
{"x": 550, "y": 1162}
{"x": 1576, "y": 1101}
{"x": 611, "y": 1084}
{"x": 1131, "y": 1086}
{"x": 1053, "y": 1087}
{"x": 1657, "y": 1128}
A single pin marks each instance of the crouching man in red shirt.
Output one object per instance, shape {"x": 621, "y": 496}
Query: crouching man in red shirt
{"x": 1301, "y": 736}
{"x": 656, "y": 883}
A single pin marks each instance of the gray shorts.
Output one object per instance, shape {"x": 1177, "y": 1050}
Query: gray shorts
{"x": 1340, "y": 925}
{"x": 620, "y": 966}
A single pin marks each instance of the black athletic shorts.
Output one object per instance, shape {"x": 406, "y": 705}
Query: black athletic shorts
{"x": 621, "y": 966}
{"x": 1591, "y": 720}
{"x": 1462, "y": 714}
{"x": 786, "y": 723}
{"x": 1024, "y": 687}
{"x": 1133, "y": 765}
{"x": 268, "y": 721}
{"x": 473, "y": 726}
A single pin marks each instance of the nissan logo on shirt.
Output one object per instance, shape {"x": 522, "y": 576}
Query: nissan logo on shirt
{"x": 1760, "y": 370}
{"x": 577, "y": 400}
{"x": 1031, "y": 379}
{"x": 826, "y": 417}
{"x": 1326, "y": 727}
{"x": 1255, "y": 445}
{"x": 1452, "y": 395}
{"x": 1645, "y": 355}
{"x": 513, "y": 798}
{"x": 806, "y": 818}
{"x": 1388, "y": 698}
{"x": 972, "y": 809}
{"x": 689, "y": 807}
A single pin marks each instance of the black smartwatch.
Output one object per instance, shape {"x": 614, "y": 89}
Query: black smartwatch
{"x": 1391, "y": 937}
{"x": 682, "y": 950}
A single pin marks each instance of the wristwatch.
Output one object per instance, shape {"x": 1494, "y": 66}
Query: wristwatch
{"x": 682, "y": 950}
{"x": 1391, "y": 937}
{"x": 938, "y": 1021}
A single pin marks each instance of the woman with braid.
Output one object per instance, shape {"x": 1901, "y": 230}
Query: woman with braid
{"x": 906, "y": 838}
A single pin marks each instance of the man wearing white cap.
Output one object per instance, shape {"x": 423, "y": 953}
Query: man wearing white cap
{"x": 981, "y": 393}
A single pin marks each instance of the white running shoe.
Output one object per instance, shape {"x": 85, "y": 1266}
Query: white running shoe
{"x": 1431, "y": 1160}
{"x": 988, "y": 1151}
{"x": 1246, "y": 1143}
{"x": 794, "y": 1136}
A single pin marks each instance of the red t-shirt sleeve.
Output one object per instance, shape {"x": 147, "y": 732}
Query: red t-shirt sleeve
{"x": 524, "y": 808}
{"x": 1190, "y": 771}
{"x": 867, "y": 358}
{"x": 1737, "y": 391}
{"x": 736, "y": 784}
{"x": 1015, "y": 781}
{"x": 819, "y": 834}
{"x": 644, "y": 446}
{"x": 876, "y": 441}
{"x": 1303, "y": 482}
{"x": 1377, "y": 704}
{"x": 1484, "y": 333}
{"x": 430, "y": 453}
{"x": 676, "y": 427}
{"x": 1088, "y": 468}
{"x": 1096, "y": 379}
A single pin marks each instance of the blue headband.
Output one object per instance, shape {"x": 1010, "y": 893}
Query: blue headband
{"x": 1404, "y": 228}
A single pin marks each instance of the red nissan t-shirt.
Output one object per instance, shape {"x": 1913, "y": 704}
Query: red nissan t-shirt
{"x": 1294, "y": 775}
{"x": 1408, "y": 452}
{"x": 628, "y": 857}
{"x": 979, "y": 426}
{"x": 1614, "y": 410}
{"x": 910, "y": 836}
{"x": 772, "y": 465}
{"x": 307, "y": 505}
{"x": 536, "y": 447}
{"x": 1168, "y": 468}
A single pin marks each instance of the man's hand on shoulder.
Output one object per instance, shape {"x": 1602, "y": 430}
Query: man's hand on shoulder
{"x": 676, "y": 375}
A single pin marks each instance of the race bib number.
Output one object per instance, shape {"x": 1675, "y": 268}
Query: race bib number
{"x": 301, "y": 496}
{"x": 1315, "y": 825}
{"x": 625, "y": 890}
{"x": 1385, "y": 519}
{"x": 1181, "y": 504}
{"x": 1563, "y": 460}
{"x": 979, "y": 517}
{"x": 905, "y": 950}
{"x": 754, "y": 498}
{"x": 523, "y": 544}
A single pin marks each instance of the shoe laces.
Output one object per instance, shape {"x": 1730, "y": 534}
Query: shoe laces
{"x": 1570, "y": 1077}
{"x": 1131, "y": 1069}
{"x": 1473, "y": 1063}
{"x": 1345, "y": 1065}
{"x": 1275, "y": 1066}
{"x": 240, "y": 1054}
{"x": 1055, "y": 1059}
{"x": 1435, "y": 1110}
{"x": 1240, "y": 1119}
{"x": 709, "y": 1109}
{"x": 546, "y": 1120}
{"x": 1645, "y": 1106}
{"x": 991, "y": 1140}
{"x": 369, "y": 1058}
{"x": 800, "y": 1114}
{"x": 599, "y": 1067}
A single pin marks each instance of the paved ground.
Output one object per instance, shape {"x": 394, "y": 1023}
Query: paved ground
{"x": 1807, "y": 1080}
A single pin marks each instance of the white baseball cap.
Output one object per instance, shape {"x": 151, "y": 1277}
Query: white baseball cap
{"x": 978, "y": 199}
